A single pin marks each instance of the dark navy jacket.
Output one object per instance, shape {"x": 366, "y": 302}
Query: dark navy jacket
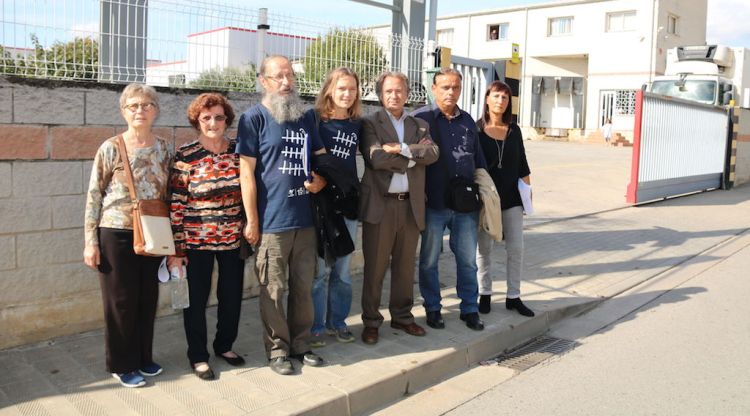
{"x": 460, "y": 151}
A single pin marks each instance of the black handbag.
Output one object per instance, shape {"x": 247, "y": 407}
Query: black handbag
{"x": 462, "y": 195}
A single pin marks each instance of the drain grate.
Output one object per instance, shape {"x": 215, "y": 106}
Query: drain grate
{"x": 533, "y": 353}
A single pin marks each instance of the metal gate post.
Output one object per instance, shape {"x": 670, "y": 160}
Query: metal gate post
{"x": 499, "y": 73}
{"x": 631, "y": 196}
{"x": 122, "y": 46}
{"x": 731, "y": 153}
{"x": 260, "y": 47}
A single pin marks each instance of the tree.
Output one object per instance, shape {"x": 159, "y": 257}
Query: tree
{"x": 7, "y": 62}
{"x": 76, "y": 59}
{"x": 352, "y": 48}
{"x": 234, "y": 79}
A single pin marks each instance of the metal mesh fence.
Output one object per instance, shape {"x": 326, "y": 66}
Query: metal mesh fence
{"x": 204, "y": 44}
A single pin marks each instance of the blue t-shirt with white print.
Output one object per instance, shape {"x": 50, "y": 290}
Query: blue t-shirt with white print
{"x": 282, "y": 153}
{"x": 340, "y": 137}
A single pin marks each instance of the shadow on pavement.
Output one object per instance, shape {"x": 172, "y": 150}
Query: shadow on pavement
{"x": 629, "y": 307}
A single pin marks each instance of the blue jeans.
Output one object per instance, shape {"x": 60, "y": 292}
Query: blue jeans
{"x": 463, "y": 243}
{"x": 332, "y": 290}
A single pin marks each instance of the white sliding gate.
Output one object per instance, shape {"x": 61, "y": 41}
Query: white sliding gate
{"x": 679, "y": 147}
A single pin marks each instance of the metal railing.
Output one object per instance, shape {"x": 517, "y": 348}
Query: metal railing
{"x": 477, "y": 76}
{"x": 204, "y": 44}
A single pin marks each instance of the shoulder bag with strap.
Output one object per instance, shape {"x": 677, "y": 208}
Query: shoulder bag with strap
{"x": 152, "y": 230}
{"x": 461, "y": 194}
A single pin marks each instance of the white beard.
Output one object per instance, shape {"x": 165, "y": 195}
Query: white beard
{"x": 285, "y": 108}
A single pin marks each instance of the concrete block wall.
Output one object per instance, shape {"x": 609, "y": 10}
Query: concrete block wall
{"x": 49, "y": 133}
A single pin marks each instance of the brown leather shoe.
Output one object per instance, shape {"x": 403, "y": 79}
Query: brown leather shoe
{"x": 411, "y": 329}
{"x": 370, "y": 335}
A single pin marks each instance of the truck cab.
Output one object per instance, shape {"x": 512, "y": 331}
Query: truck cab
{"x": 709, "y": 74}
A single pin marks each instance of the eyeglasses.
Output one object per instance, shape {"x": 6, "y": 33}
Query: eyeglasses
{"x": 218, "y": 118}
{"x": 280, "y": 77}
{"x": 145, "y": 106}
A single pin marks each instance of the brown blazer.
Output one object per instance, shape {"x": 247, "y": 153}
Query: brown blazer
{"x": 377, "y": 130}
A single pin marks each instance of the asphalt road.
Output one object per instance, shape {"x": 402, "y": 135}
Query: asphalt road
{"x": 683, "y": 353}
{"x": 571, "y": 179}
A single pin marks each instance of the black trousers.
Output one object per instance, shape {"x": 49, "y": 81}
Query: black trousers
{"x": 130, "y": 291}
{"x": 228, "y": 292}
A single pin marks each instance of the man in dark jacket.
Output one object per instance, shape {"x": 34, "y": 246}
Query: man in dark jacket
{"x": 456, "y": 134}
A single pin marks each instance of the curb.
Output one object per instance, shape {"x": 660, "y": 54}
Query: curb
{"x": 392, "y": 383}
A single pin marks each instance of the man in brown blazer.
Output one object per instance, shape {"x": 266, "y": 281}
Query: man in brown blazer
{"x": 396, "y": 148}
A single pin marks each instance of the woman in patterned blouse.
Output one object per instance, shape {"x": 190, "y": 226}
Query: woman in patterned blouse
{"x": 206, "y": 213}
{"x": 129, "y": 282}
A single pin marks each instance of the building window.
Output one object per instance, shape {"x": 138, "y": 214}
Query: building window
{"x": 497, "y": 31}
{"x": 616, "y": 103}
{"x": 445, "y": 37}
{"x": 625, "y": 102}
{"x": 621, "y": 21}
{"x": 672, "y": 24}
{"x": 557, "y": 26}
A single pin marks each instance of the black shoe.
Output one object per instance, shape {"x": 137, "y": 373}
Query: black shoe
{"x": 233, "y": 361}
{"x": 281, "y": 365}
{"x": 207, "y": 374}
{"x": 519, "y": 306}
{"x": 309, "y": 358}
{"x": 435, "y": 320}
{"x": 472, "y": 321}
{"x": 484, "y": 304}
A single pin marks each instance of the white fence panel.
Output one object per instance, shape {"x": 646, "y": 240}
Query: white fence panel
{"x": 203, "y": 44}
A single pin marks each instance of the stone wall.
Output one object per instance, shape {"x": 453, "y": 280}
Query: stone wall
{"x": 49, "y": 133}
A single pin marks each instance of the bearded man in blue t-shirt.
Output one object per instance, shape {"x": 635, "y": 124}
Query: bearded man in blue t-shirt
{"x": 275, "y": 142}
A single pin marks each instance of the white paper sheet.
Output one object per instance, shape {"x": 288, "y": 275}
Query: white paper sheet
{"x": 305, "y": 162}
{"x": 525, "y": 191}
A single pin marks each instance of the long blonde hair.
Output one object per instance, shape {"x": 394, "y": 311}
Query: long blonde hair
{"x": 324, "y": 105}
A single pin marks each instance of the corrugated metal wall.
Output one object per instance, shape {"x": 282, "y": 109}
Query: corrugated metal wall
{"x": 681, "y": 149}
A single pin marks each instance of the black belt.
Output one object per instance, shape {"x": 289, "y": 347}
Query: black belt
{"x": 402, "y": 196}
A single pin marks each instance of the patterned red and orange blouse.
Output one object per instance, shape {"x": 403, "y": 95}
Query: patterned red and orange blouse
{"x": 206, "y": 202}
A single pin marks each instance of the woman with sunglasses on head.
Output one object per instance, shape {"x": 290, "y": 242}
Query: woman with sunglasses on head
{"x": 207, "y": 219}
{"x": 502, "y": 143}
{"x": 128, "y": 281}
{"x": 338, "y": 110}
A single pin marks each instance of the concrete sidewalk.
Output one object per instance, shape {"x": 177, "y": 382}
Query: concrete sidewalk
{"x": 571, "y": 266}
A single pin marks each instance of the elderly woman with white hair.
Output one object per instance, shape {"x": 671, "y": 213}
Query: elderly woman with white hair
{"x": 128, "y": 281}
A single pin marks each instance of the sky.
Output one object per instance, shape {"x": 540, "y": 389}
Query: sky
{"x": 727, "y": 21}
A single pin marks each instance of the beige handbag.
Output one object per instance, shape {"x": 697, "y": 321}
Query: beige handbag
{"x": 152, "y": 230}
